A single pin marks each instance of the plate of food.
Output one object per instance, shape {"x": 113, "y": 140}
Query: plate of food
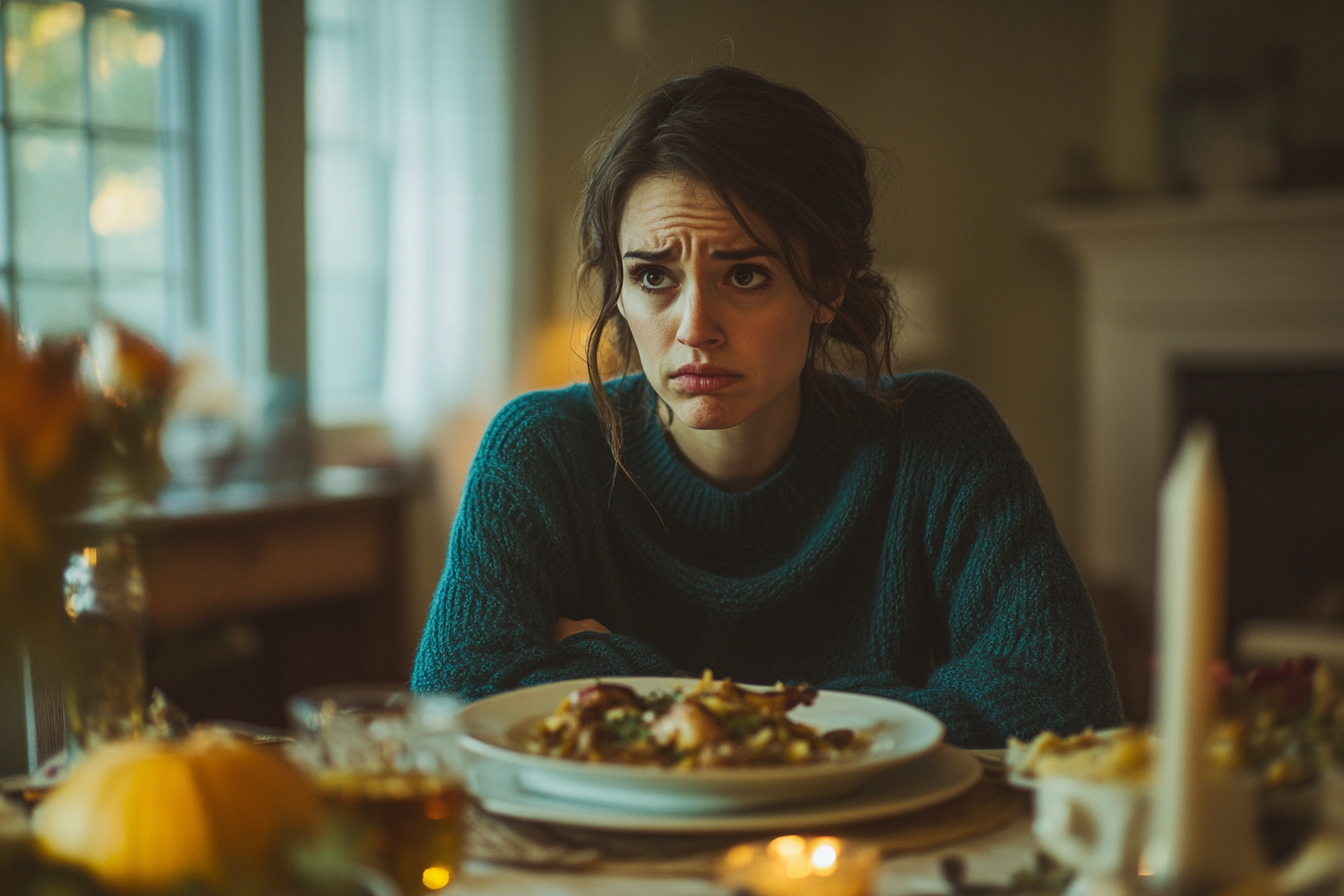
{"x": 682, "y": 746}
{"x": 936, "y": 777}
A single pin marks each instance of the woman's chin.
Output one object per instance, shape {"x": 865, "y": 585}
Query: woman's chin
{"x": 706, "y": 412}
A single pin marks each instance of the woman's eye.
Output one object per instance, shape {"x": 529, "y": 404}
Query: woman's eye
{"x": 652, "y": 278}
{"x": 748, "y": 278}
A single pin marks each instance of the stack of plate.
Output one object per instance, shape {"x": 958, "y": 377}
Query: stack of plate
{"x": 907, "y": 767}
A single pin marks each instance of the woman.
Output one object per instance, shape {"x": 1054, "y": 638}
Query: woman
{"x": 764, "y": 517}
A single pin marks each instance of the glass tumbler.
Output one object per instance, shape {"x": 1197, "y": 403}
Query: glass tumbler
{"x": 387, "y": 763}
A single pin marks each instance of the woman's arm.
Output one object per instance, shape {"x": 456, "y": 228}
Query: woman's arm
{"x": 1017, "y": 642}
{"x": 564, "y": 627}
{"x": 511, "y": 572}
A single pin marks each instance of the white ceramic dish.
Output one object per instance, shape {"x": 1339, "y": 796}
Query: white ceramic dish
{"x": 497, "y": 727}
{"x": 934, "y": 778}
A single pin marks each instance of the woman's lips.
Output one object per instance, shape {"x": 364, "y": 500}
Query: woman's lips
{"x": 699, "y": 379}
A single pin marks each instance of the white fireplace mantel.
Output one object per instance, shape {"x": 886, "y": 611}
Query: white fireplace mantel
{"x": 1240, "y": 282}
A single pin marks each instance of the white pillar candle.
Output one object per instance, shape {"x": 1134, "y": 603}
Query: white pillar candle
{"x": 1203, "y": 832}
{"x": 1191, "y": 596}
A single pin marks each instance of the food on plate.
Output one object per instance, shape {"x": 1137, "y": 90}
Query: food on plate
{"x": 1124, "y": 754}
{"x": 1282, "y": 722}
{"x": 714, "y": 724}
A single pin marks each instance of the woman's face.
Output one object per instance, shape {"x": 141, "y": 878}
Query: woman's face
{"x": 720, "y": 325}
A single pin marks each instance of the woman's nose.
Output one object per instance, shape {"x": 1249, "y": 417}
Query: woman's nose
{"x": 699, "y": 326}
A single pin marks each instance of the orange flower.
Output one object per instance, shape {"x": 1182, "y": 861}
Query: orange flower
{"x": 140, "y": 368}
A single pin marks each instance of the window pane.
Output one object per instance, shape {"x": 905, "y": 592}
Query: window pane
{"x": 44, "y": 60}
{"x": 332, "y": 12}
{"x": 140, "y": 303}
{"x": 125, "y": 58}
{"x": 51, "y": 201}
{"x": 346, "y": 329}
{"x": 343, "y": 224}
{"x": 335, "y": 81}
{"x": 55, "y": 309}
{"x": 4, "y": 204}
{"x": 127, "y": 209}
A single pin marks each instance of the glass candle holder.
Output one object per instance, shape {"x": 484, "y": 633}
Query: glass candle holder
{"x": 801, "y": 866}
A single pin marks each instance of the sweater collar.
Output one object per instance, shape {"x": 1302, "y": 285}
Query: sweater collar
{"x": 821, "y": 449}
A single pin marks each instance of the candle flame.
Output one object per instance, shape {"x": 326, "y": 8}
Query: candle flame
{"x": 823, "y": 859}
{"x": 740, "y": 855}
{"x": 436, "y": 877}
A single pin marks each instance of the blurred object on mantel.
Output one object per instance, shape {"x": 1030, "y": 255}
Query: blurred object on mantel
{"x": 203, "y": 434}
{"x": 1271, "y": 641}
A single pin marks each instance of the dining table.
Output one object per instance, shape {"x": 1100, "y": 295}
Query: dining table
{"x": 990, "y": 858}
{"x": 989, "y": 829}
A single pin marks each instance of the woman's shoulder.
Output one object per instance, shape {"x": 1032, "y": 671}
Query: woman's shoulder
{"x": 540, "y": 418}
{"x": 945, "y": 416}
{"x": 935, "y": 392}
{"x": 556, "y": 417}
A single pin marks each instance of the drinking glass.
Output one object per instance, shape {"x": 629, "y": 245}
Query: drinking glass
{"x": 105, "y": 601}
{"x": 387, "y": 763}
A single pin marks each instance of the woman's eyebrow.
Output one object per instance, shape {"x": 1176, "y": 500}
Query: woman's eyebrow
{"x": 649, "y": 254}
{"x": 725, "y": 254}
{"x": 742, "y": 254}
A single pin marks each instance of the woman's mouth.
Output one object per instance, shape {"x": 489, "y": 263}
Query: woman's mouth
{"x": 701, "y": 379}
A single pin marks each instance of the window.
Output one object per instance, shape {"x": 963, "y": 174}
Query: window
{"x": 97, "y": 162}
{"x": 347, "y": 167}
{"x": 410, "y": 199}
{"x": 131, "y": 160}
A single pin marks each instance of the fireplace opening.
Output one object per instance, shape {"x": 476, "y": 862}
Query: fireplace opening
{"x": 1281, "y": 442}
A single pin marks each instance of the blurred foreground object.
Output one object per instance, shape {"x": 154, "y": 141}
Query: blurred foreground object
{"x": 793, "y": 866}
{"x": 80, "y": 426}
{"x": 1201, "y": 829}
{"x": 151, "y": 814}
{"x": 105, "y": 675}
{"x": 387, "y": 762}
{"x": 1271, "y": 761}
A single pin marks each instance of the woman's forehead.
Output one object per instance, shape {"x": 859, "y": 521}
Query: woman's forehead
{"x": 667, "y": 208}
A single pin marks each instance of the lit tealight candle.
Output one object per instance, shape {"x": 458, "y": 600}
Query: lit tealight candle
{"x": 801, "y": 866}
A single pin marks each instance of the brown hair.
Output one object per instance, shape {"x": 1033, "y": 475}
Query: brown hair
{"x": 765, "y": 147}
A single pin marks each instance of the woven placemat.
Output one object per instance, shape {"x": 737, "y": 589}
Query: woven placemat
{"x": 988, "y": 805}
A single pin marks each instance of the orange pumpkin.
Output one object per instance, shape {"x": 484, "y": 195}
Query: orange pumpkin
{"x": 149, "y": 814}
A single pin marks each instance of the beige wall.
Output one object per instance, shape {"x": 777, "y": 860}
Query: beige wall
{"x": 976, "y": 104}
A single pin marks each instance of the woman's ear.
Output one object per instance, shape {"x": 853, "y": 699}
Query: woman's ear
{"x": 825, "y": 312}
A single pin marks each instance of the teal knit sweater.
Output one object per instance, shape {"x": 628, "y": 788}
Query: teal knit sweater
{"x": 907, "y": 554}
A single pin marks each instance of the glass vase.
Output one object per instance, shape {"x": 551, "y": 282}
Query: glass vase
{"x": 105, "y": 601}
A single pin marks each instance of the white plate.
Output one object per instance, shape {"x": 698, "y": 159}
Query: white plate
{"x": 945, "y": 773}
{"x": 497, "y": 728}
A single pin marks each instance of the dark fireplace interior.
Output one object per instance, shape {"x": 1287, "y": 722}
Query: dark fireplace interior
{"x": 1281, "y": 441}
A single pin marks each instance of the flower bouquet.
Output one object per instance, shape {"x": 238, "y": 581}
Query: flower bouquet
{"x": 80, "y": 421}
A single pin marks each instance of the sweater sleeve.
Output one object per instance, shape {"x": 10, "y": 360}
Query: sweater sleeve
{"x": 1021, "y": 651}
{"x": 512, "y": 563}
